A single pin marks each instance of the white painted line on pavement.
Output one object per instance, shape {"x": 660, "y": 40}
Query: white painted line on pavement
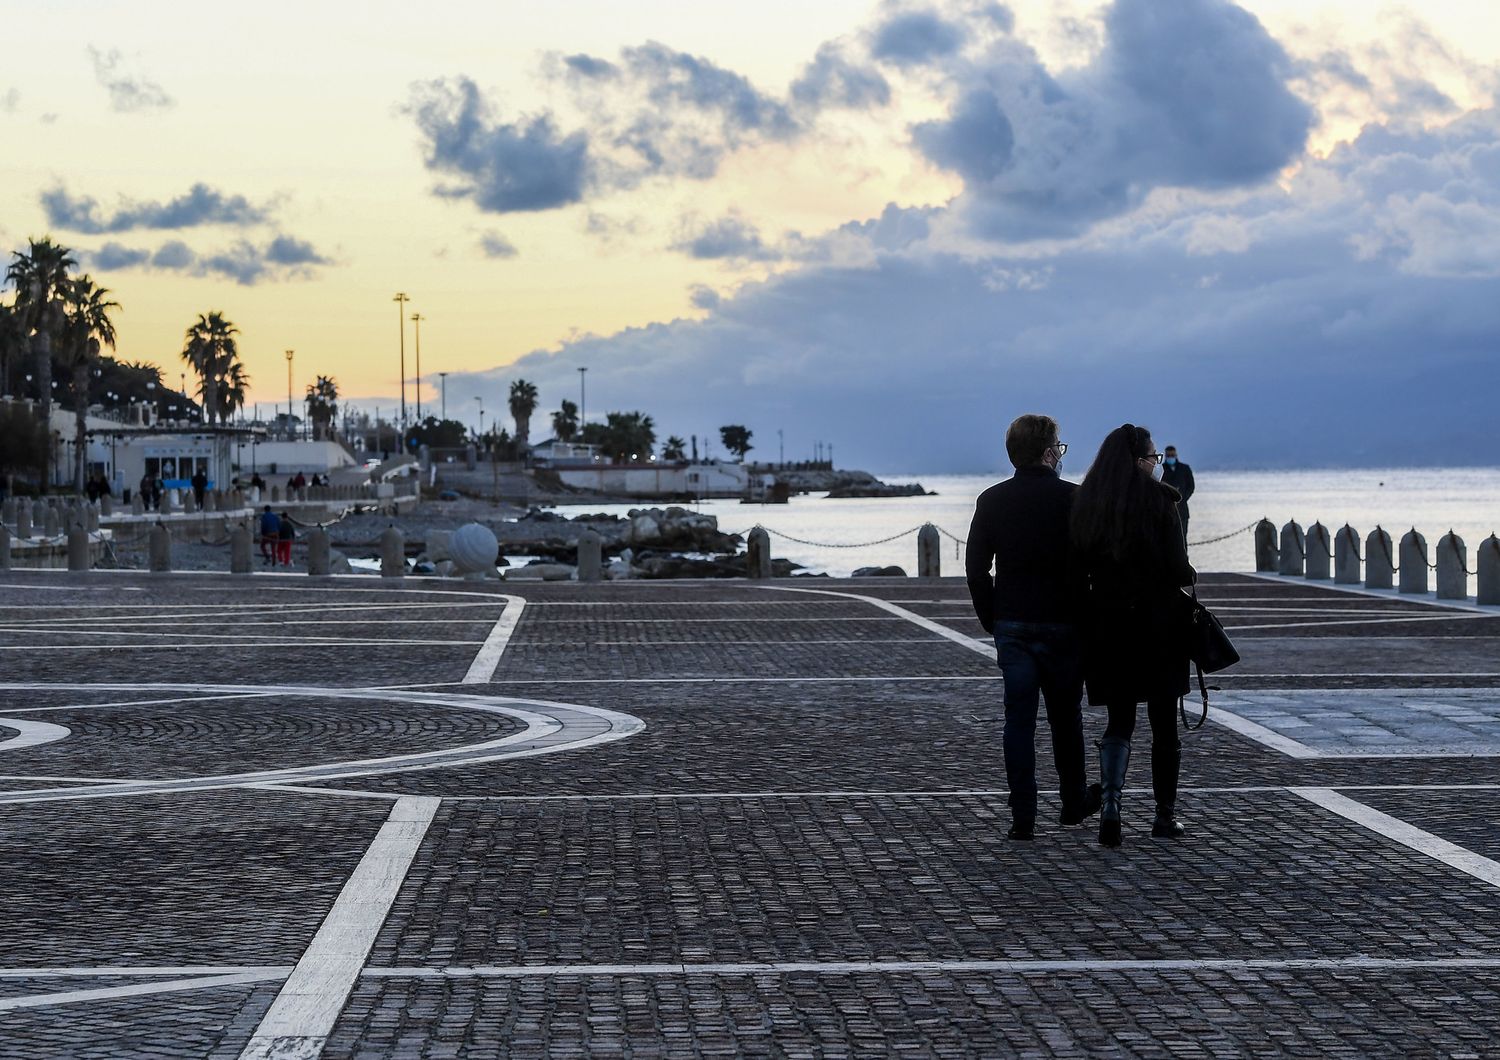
{"x": 1087, "y": 966}
{"x": 985, "y": 648}
{"x": 1260, "y": 734}
{"x": 105, "y": 993}
{"x": 106, "y": 971}
{"x": 31, "y": 733}
{"x": 1408, "y": 835}
{"x": 488, "y": 657}
{"x": 1358, "y": 622}
{"x": 300, "y": 1019}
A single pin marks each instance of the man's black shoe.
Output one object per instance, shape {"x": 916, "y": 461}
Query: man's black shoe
{"x": 1091, "y": 799}
{"x": 1020, "y": 831}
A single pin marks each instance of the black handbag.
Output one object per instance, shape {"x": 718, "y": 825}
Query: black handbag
{"x": 1210, "y": 649}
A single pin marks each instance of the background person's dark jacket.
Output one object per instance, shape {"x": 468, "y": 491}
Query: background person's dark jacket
{"x": 1134, "y": 646}
{"x": 1021, "y": 528}
{"x": 1180, "y": 478}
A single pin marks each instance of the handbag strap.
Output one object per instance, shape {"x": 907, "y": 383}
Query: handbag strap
{"x": 1203, "y": 687}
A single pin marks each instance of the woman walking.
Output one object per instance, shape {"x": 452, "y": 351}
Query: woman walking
{"x": 1128, "y": 540}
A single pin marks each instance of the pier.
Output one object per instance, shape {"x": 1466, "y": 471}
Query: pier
{"x": 299, "y": 816}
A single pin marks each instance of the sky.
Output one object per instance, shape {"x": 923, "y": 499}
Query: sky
{"x": 1271, "y": 230}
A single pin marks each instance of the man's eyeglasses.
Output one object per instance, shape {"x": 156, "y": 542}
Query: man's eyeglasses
{"x": 1060, "y": 447}
{"x": 1155, "y": 458}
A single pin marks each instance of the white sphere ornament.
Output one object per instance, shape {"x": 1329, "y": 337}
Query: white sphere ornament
{"x": 473, "y": 549}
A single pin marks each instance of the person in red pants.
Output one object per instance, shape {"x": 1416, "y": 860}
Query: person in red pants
{"x": 285, "y": 536}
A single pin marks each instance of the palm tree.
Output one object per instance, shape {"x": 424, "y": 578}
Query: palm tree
{"x": 39, "y": 276}
{"x": 322, "y": 405}
{"x": 229, "y": 394}
{"x": 211, "y": 351}
{"x": 673, "y": 449}
{"x": 12, "y": 345}
{"x": 86, "y": 328}
{"x": 522, "y": 405}
{"x": 565, "y": 421}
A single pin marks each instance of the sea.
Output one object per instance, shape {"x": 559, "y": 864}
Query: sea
{"x": 836, "y": 537}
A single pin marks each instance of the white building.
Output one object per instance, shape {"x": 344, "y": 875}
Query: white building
{"x": 659, "y": 479}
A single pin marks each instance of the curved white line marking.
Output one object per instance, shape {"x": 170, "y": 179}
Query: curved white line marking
{"x": 31, "y": 733}
{"x": 488, "y": 657}
{"x": 549, "y": 728}
{"x": 963, "y": 640}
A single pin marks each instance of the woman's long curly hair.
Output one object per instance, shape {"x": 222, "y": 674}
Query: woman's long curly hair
{"x": 1117, "y": 508}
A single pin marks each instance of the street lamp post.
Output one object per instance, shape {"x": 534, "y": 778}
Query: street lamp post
{"x": 444, "y": 377}
{"x": 401, "y": 301}
{"x": 583, "y": 398}
{"x": 416, "y": 320}
{"x": 289, "y": 354}
{"x": 481, "y": 415}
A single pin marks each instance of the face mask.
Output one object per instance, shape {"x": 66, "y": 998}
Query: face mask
{"x": 1171, "y": 461}
{"x": 1156, "y": 472}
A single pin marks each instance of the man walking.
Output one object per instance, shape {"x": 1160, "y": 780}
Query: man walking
{"x": 1020, "y": 530}
{"x": 1180, "y": 477}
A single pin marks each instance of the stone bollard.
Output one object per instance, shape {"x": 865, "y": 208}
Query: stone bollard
{"x": 4, "y": 547}
{"x": 1346, "y": 556}
{"x": 1488, "y": 563}
{"x": 590, "y": 557}
{"x": 1380, "y": 560}
{"x": 1452, "y": 568}
{"x": 106, "y": 504}
{"x": 1413, "y": 563}
{"x": 160, "y": 548}
{"x": 23, "y": 522}
{"x": 318, "y": 559}
{"x": 239, "y": 549}
{"x": 190, "y": 502}
{"x": 8, "y": 510}
{"x": 275, "y": 494}
{"x": 471, "y": 458}
{"x": 78, "y": 549}
{"x": 1267, "y": 556}
{"x": 929, "y": 552}
{"x": 91, "y": 518}
{"x": 53, "y": 526}
{"x": 392, "y": 553}
{"x": 1293, "y": 549}
{"x": 211, "y": 501}
{"x": 758, "y": 553}
{"x": 1319, "y": 552}
{"x": 39, "y": 514}
{"x": 137, "y": 505}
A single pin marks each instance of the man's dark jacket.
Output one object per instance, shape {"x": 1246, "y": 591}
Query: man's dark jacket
{"x": 1180, "y": 477}
{"x": 1021, "y": 529}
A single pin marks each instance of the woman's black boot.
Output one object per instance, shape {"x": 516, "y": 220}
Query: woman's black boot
{"x": 1165, "y": 767}
{"x": 1114, "y": 756}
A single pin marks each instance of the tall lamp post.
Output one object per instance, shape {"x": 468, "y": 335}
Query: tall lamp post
{"x": 416, "y": 320}
{"x": 583, "y": 398}
{"x": 289, "y": 390}
{"x": 401, "y": 301}
{"x": 444, "y": 377}
{"x": 481, "y": 415}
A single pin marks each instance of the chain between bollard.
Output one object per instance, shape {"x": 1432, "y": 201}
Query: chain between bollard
{"x": 1224, "y": 537}
{"x": 824, "y": 544}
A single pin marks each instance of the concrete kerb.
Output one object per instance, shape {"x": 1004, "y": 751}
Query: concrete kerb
{"x": 1430, "y": 599}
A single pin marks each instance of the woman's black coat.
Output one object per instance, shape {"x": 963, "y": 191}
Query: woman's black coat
{"x": 1134, "y": 635}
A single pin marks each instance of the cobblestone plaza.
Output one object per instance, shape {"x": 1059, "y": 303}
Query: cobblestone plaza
{"x": 292, "y": 816}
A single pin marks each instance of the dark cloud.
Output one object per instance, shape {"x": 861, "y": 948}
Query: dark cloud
{"x": 896, "y": 228}
{"x": 832, "y": 80}
{"x": 914, "y": 37}
{"x": 127, "y": 93}
{"x": 502, "y": 167}
{"x": 1191, "y": 94}
{"x": 730, "y": 238}
{"x": 1331, "y": 309}
{"x": 283, "y": 258}
{"x": 200, "y": 205}
{"x": 704, "y": 297}
{"x": 494, "y": 245}
{"x": 590, "y": 67}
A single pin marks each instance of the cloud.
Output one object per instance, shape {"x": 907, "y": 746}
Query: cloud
{"x": 1358, "y": 297}
{"x": 500, "y": 166}
{"x": 831, "y": 79}
{"x": 1192, "y": 94}
{"x": 494, "y": 245}
{"x": 199, "y": 205}
{"x": 282, "y": 258}
{"x": 704, "y": 297}
{"x": 913, "y": 37}
{"x": 127, "y": 94}
{"x": 730, "y": 237}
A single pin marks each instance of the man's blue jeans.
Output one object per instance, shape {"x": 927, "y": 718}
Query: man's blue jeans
{"x": 1041, "y": 660}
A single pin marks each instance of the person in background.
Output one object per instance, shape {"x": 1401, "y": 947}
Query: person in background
{"x": 270, "y": 535}
{"x": 285, "y": 535}
{"x": 1020, "y": 529}
{"x": 1180, "y": 477}
{"x": 199, "y": 482}
{"x": 1127, "y": 540}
